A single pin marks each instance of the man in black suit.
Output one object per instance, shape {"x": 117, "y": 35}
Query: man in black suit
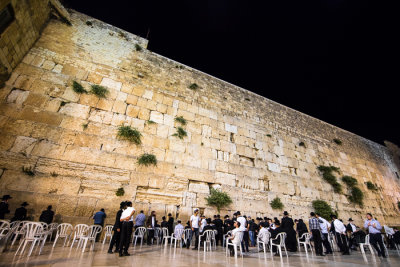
{"x": 4, "y": 206}
{"x": 218, "y": 225}
{"x": 117, "y": 229}
{"x": 274, "y": 233}
{"x": 47, "y": 215}
{"x": 287, "y": 225}
{"x": 20, "y": 213}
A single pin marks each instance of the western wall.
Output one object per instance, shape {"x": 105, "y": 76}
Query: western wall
{"x": 240, "y": 142}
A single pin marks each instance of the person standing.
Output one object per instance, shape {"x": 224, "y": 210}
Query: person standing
{"x": 20, "y": 213}
{"x": 47, "y": 215}
{"x": 315, "y": 227}
{"x": 324, "y": 226}
{"x": 194, "y": 225}
{"x": 340, "y": 233}
{"x": 170, "y": 224}
{"x": 253, "y": 227}
{"x": 218, "y": 224}
{"x": 151, "y": 224}
{"x": 287, "y": 226}
{"x": 126, "y": 229}
{"x": 4, "y": 206}
{"x": 374, "y": 230}
{"x": 117, "y": 229}
{"x": 98, "y": 218}
{"x": 351, "y": 229}
{"x": 243, "y": 228}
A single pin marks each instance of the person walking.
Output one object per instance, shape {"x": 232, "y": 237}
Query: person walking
{"x": 47, "y": 215}
{"x": 4, "y": 206}
{"x": 340, "y": 233}
{"x": 117, "y": 229}
{"x": 374, "y": 229}
{"x": 98, "y": 218}
{"x": 194, "y": 225}
{"x": 20, "y": 213}
{"x": 126, "y": 229}
{"x": 315, "y": 228}
{"x": 324, "y": 226}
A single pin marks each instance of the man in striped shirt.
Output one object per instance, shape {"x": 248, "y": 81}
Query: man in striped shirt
{"x": 314, "y": 224}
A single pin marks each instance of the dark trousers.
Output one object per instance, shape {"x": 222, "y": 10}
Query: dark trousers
{"x": 326, "y": 243}
{"x": 245, "y": 241}
{"x": 316, "y": 234}
{"x": 150, "y": 236}
{"x": 341, "y": 240}
{"x": 115, "y": 240}
{"x": 196, "y": 233}
{"x": 126, "y": 234}
{"x": 219, "y": 236}
{"x": 377, "y": 238}
{"x": 99, "y": 234}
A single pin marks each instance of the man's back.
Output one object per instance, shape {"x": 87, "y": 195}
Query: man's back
{"x": 99, "y": 217}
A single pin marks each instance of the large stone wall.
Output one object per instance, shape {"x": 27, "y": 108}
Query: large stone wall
{"x": 238, "y": 141}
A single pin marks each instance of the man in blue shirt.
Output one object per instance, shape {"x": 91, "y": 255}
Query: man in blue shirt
{"x": 140, "y": 219}
{"x": 99, "y": 220}
{"x": 374, "y": 229}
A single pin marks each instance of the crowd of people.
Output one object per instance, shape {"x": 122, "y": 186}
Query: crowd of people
{"x": 347, "y": 236}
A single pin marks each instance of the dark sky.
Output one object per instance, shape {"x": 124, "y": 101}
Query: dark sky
{"x": 335, "y": 60}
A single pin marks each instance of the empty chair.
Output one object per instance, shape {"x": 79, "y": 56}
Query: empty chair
{"x": 107, "y": 233}
{"x": 225, "y": 236}
{"x": 139, "y": 233}
{"x": 206, "y": 238}
{"x": 281, "y": 237}
{"x": 80, "y": 231}
{"x": 157, "y": 234}
{"x": 165, "y": 237}
{"x": 235, "y": 243}
{"x": 64, "y": 230}
{"x": 52, "y": 229}
{"x": 33, "y": 232}
{"x": 18, "y": 230}
{"x": 263, "y": 240}
{"x": 306, "y": 242}
{"x": 90, "y": 236}
{"x": 177, "y": 237}
{"x": 367, "y": 244}
{"x": 187, "y": 235}
{"x": 332, "y": 241}
{"x": 214, "y": 238}
{"x": 4, "y": 229}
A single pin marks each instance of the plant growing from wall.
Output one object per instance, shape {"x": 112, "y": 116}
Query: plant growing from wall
{"x": 302, "y": 144}
{"x": 327, "y": 175}
{"x": 120, "y": 192}
{"x": 268, "y": 135}
{"x": 85, "y": 125}
{"x": 356, "y": 195}
{"x": 78, "y": 88}
{"x": 149, "y": 122}
{"x": 337, "y": 141}
{"x": 54, "y": 174}
{"x": 147, "y": 160}
{"x": 180, "y": 133}
{"x": 349, "y": 181}
{"x": 130, "y": 134}
{"x": 371, "y": 186}
{"x": 218, "y": 199}
{"x": 323, "y": 209}
{"x": 276, "y": 204}
{"x": 99, "y": 91}
{"x": 89, "y": 23}
{"x": 181, "y": 120}
{"x": 193, "y": 86}
{"x": 138, "y": 47}
{"x": 28, "y": 171}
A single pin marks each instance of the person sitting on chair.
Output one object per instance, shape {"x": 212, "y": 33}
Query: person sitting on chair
{"x": 234, "y": 238}
{"x": 263, "y": 234}
{"x": 274, "y": 234}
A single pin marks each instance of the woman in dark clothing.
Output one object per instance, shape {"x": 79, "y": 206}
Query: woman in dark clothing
{"x": 301, "y": 228}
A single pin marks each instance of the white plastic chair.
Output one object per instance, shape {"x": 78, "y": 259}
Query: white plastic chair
{"x": 367, "y": 244}
{"x": 214, "y": 238}
{"x": 332, "y": 241}
{"x": 80, "y": 231}
{"x": 139, "y": 233}
{"x": 281, "y": 237}
{"x": 235, "y": 245}
{"x": 4, "y": 229}
{"x": 19, "y": 230}
{"x": 263, "y": 239}
{"x": 306, "y": 242}
{"x": 165, "y": 237}
{"x": 177, "y": 237}
{"x": 157, "y": 234}
{"x": 108, "y": 233}
{"x": 33, "y": 232}
{"x": 93, "y": 231}
{"x": 384, "y": 245}
{"x": 52, "y": 229}
{"x": 64, "y": 230}
{"x": 225, "y": 236}
{"x": 207, "y": 236}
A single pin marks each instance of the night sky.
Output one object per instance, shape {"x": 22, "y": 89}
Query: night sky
{"x": 334, "y": 60}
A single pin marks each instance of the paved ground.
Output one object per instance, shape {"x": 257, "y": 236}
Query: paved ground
{"x": 161, "y": 256}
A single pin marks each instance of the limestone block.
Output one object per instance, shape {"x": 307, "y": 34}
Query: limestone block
{"x": 132, "y": 99}
{"x": 17, "y": 97}
{"x": 110, "y": 83}
{"x": 119, "y": 107}
{"x": 58, "y": 68}
{"x": 177, "y": 145}
{"x": 230, "y": 128}
{"x": 273, "y": 167}
{"x": 75, "y": 110}
{"x": 144, "y": 114}
{"x": 161, "y": 108}
{"x": 148, "y": 94}
{"x": 70, "y": 95}
{"x": 23, "y": 144}
{"x": 156, "y": 117}
{"x": 168, "y": 120}
{"x": 35, "y": 114}
{"x": 185, "y": 114}
{"x": 225, "y": 178}
{"x": 138, "y": 124}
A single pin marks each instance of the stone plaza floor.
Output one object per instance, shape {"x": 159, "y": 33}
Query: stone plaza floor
{"x": 166, "y": 256}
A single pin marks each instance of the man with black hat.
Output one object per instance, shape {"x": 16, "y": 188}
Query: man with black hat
{"x": 287, "y": 226}
{"x": 20, "y": 213}
{"x": 4, "y": 206}
{"x": 351, "y": 229}
{"x": 47, "y": 215}
{"x": 117, "y": 229}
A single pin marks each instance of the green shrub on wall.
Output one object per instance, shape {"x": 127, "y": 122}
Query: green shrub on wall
{"x": 327, "y": 175}
{"x": 323, "y": 209}
{"x": 218, "y": 199}
{"x": 147, "y": 159}
{"x": 120, "y": 192}
{"x": 276, "y": 204}
{"x": 130, "y": 134}
{"x": 356, "y": 195}
{"x": 371, "y": 186}
{"x": 349, "y": 181}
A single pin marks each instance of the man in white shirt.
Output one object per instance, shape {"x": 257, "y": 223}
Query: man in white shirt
{"x": 325, "y": 226}
{"x": 194, "y": 225}
{"x": 340, "y": 233}
{"x": 203, "y": 223}
{"x": 126, "y": 229}
{"x": 263, "y": 234}
{"x": 235, "y": 237}
{"x": 243, "y": 228}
